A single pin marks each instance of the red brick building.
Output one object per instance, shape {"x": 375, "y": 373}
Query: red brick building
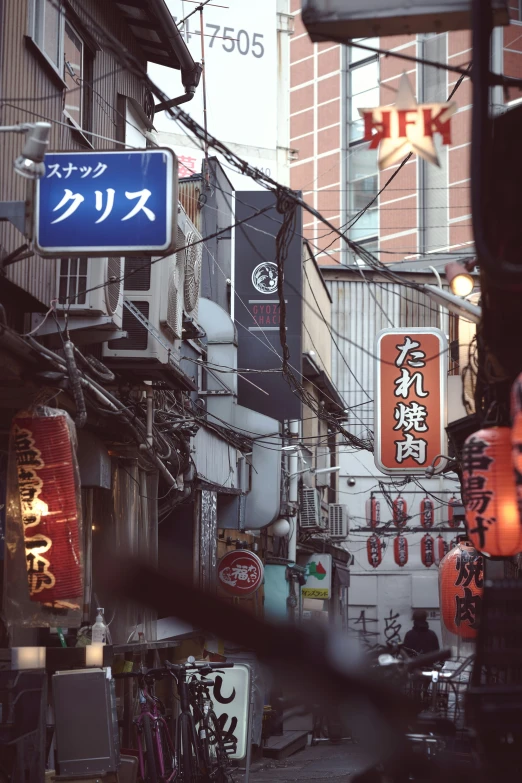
{"x": 424, "y": 209}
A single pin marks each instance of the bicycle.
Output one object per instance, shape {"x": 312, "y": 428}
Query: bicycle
{"x": 199, "y": 753}
{"x": 156, "y": 752}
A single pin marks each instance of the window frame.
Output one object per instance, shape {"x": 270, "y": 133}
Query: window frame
{"x": 78, "y": 125}
{"x": 33, "y": 34}
{"x": 352, "y": 144}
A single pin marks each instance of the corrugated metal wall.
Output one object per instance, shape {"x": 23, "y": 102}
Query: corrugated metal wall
{"x": 359, "y": 311}
{"x": 31, "y": 91}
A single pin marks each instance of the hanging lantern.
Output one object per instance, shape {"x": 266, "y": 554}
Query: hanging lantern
{"x": 461, "y": 582}
{"x": 47, "y": 487}
{"x": 400, "y": 512}
{"x": 428, "y": 550}
{"x": 374, "y": 548}
{"x": 400, "y": 549}
{"x": 489, "y": 493}
{"x": 451, "y": 511}
{"x": 373, "y": 512}
{"x": 516, "y": 438}
{"x": 441, "y": 549}
{"x": 427, "y": 513}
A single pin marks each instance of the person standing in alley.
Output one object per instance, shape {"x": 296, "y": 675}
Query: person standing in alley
{"x": 420, "y": 639}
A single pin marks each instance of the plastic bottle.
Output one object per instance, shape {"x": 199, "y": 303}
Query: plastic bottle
{"x": 99, "y": 629}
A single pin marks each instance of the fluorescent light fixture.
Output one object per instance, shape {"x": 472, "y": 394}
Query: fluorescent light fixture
{"x": 454, "y": 303}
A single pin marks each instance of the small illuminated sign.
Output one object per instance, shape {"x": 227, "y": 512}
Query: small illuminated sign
{"x": 407, "y": 126}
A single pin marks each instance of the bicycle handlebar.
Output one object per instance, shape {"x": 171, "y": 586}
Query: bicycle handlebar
{"x": 174, "y": 668}
{"x": 428, "y": 659}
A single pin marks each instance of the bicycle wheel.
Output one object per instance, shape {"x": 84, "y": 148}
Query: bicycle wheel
{"x": 218, "y": 761}
{"x": 167, "y": 763}
{"x": 188, "y": 756}
{"x": 151, "y": 775}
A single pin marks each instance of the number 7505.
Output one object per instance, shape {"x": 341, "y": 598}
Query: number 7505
{"x": 242, "y": 39}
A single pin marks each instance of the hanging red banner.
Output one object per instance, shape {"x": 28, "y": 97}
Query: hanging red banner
{"x": 427, "y": 550}
{"x": 400, "y": 550}
{"x": 48, "y": 503}
{"x": 374, "y": 548}
{"x": 410, "y": 400}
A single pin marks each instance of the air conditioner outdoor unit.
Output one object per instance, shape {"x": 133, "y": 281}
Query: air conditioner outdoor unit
{"x": 337, "y": 520}
{"x": 91, "y": 287}
{"x": 162, "y": 289}
{"x": 310, "y": 510}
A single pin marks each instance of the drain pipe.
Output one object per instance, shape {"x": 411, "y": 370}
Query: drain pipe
{"x": 293, "y": 467}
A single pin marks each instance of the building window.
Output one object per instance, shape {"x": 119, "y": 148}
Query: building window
{"x": 73, "y": 73}
{"x": 64, "y": 47}
{"x": 363, "y": 173}
{"x": 46, "y": 29}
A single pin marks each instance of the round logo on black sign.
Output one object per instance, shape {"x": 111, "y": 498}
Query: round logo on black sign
{"x": 264, "y": 277}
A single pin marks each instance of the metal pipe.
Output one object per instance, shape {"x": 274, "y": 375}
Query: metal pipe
{"x": 150, "y": 415}
{"x": 293, "y": 461}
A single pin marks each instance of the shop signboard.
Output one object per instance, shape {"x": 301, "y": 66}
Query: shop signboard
{"x": 231, "y": 696}
{"x": 318, "y": 577}
{"x": 240, "y": 573}
{"x": 107, "y": 203}
{"x": 257, "y": 307}
{"x": 410, "y": 400}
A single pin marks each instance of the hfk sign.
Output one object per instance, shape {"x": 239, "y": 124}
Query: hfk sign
{"x": 410, "y": 399}
{"x": 407, "y": 127}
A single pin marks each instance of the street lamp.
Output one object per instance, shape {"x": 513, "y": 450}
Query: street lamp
{"x": 459, "y": 278}
{"x": 30, "y": 163}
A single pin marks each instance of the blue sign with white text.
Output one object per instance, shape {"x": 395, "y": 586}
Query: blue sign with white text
{"x": 103, "y": 203}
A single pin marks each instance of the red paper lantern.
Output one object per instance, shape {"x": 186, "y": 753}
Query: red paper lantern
{"x": 516, "y": 438}
{"x": 374, "y": 548}
{"x": 489, "y": 493}
{"x": 47, "y": 486}
{"x": 400, "y": 512}
{"x": 461, "y": 579}
{"x": 451, "y": 512}
{"x": 427, "y": 513}
{"x": 441, "y": 549}
{"x": 373, "y": 512}
{"x": 400, "y": 549}
{"x": 427, "y": 550}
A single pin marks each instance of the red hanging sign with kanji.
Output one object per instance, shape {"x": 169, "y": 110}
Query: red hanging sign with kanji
{"x": 240, "y": 573}
{"x": 410, "y": 400}
{"x": 48, "y": 503}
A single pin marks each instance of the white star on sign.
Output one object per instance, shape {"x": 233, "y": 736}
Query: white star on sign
{"x": 407, "y": 127}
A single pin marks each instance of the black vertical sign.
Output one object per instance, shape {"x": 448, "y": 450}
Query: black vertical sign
{"x": 257, "y": 309}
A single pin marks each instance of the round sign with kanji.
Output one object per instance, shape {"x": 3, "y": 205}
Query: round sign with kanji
{"x": 240, "y": 573}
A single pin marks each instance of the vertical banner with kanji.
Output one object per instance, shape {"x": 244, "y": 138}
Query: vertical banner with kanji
{"x": 410, "y": 399}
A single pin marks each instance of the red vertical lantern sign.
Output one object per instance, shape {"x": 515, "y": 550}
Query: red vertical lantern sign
{"x": 400, "y": 550}
{"x": 47, "y": 489}
{"x": 461, "y": 579}
{"x": 451, "y": 512}
{"x": 400, "y": 512}
{"x": 427, "y": 550}
{"x": 427, "y": 513}
{"x": 374, "y": 548}
{"x": 516, "y": 439}
{"x": 373, "y": 512}
{"x": 441, "y": 549}
{"x": 490, "y": 494}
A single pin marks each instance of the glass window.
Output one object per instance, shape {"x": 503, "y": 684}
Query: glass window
{"x": 356, "y": 54}
{"x": 73, "y": 73}
{"x": 364, "y": 94}
{"x": 47, "y": 29}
